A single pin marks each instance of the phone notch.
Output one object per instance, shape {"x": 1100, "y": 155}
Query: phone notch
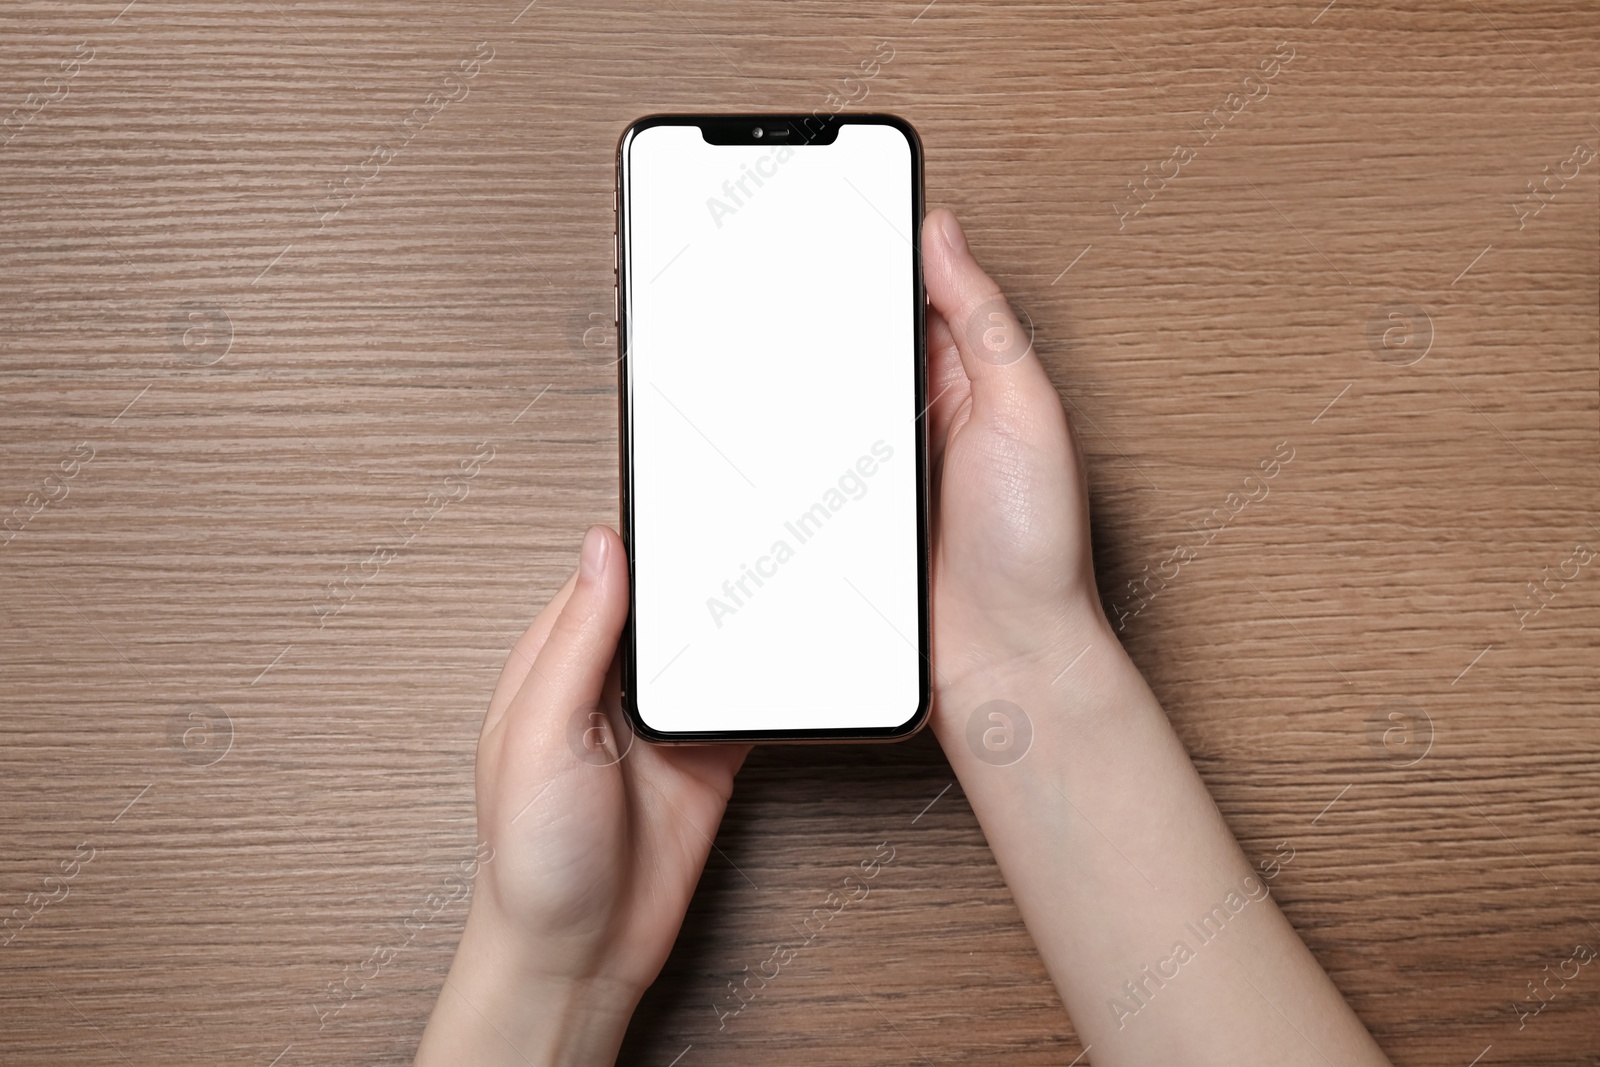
{"x": 763, "y": 129}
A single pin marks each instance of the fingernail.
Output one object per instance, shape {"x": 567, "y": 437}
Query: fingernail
{"x": 592, "y": 557}
{"x": 952, "y": 232}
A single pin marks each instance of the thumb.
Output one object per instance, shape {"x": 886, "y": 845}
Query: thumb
{"x": 570, "y": 669}
{"x": 995, "y": 348}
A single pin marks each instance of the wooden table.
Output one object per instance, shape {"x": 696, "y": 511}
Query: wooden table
{"x": 273, "y": 270}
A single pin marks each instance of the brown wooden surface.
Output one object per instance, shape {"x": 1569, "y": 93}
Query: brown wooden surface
{"x": 333, "y": 375}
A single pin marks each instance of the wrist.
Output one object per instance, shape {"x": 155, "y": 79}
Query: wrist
{"x": 498, "y": 1007}
{"x": 1064, "y": 656}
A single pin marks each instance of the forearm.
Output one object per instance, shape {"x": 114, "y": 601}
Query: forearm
{"x": 1161, "y": 937}
{"x": 493, "y": 1011}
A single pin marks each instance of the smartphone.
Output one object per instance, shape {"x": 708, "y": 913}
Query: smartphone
{"x": 773, "y": 451}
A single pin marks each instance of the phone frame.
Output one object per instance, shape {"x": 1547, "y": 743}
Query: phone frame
{"x": 813, "y": 129}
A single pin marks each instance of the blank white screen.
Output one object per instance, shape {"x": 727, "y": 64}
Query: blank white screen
{"x": 771, "y": 361}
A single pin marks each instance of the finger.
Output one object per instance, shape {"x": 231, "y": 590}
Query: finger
{"x": 569, "y": 672}
{"x": 711, "y": 768}
{"x": 694, "y": 782}
{"x": 948, "y": 386}
{"x": 520, "y": 662}
{"x": 995, "y": 349}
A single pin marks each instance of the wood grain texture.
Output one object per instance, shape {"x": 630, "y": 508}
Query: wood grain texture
{"x": 271, "y": 389}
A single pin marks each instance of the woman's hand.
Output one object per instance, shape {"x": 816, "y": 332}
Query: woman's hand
{"x": 597, "y": 843}
{"x": 1013, "y": 577}
{"x": 1111, "y": 846}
